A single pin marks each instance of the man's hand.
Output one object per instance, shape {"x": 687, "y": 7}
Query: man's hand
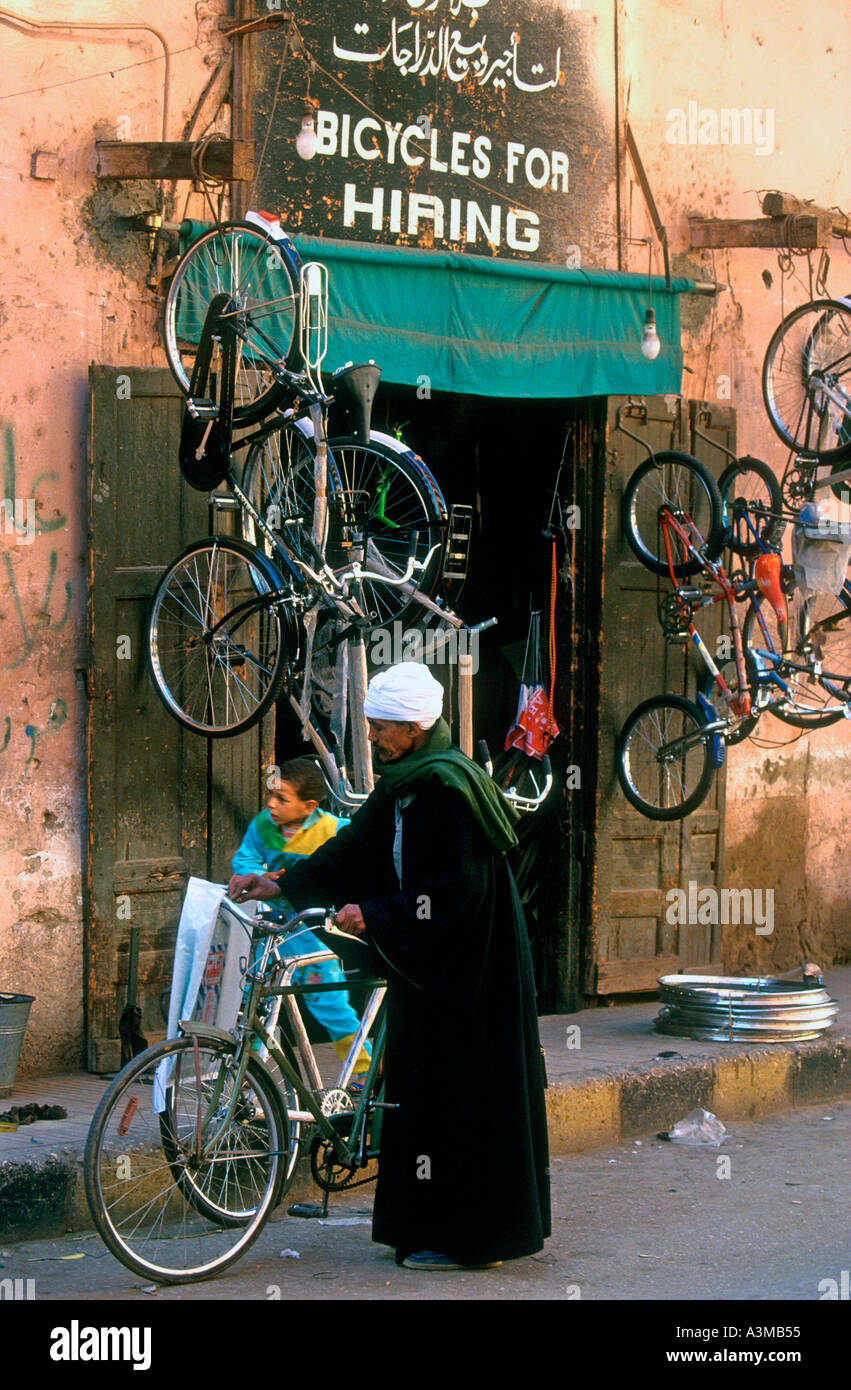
{"x": 350, "y": 920}
{"x": 250, "y": 887}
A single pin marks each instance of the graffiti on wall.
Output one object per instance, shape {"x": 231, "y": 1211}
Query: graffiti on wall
{"x": 33, "y": 610}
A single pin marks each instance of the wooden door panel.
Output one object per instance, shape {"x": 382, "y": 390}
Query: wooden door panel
{"x": 632, "y": 941}
{"x": 161, "y": 804}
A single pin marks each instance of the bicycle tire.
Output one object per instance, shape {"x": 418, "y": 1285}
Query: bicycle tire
{"x": 657, "y": 721}
{"x": 815, "y": 337}
{"x": 387, "y": 491}
{"x": 682, "y": 483}
{"x": 157, "y": 1225}
{"x": 809, "y": 705}
{"x": 218, "y": 655}
{"x": 759, "y": 498}
{"x": 204, "y": 1196}
{"x": 262, "y": 277}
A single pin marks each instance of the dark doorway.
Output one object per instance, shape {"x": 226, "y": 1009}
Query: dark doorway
{"x": 502, "y": 457}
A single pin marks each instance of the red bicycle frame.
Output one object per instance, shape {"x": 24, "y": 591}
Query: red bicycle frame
{"x": 739, "y": 704}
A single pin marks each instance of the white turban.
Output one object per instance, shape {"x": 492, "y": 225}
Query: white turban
{"x": 407, "y": 693}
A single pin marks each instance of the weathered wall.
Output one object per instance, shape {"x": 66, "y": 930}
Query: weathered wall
{"x": 73, "y": 292}
{"x": 787, "y": 807}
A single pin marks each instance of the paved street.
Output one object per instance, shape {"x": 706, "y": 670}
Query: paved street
{"x": 647, "y": 1220}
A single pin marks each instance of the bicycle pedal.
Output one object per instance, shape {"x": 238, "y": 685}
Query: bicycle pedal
{"x": 200, "y": 408}
{"x": 718, "y": 747}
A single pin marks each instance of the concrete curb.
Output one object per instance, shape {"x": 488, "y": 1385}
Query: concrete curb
{"x": 598, "y": 1112}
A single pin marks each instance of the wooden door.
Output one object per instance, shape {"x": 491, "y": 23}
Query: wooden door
{"x": 631, "y": 941}
{"x": 163, "y": 803}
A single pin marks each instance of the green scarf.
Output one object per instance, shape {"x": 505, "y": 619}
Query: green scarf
{"x": 439, "y": 759}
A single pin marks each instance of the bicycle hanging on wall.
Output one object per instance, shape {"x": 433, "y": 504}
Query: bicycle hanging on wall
{"x": 339, "y": 536}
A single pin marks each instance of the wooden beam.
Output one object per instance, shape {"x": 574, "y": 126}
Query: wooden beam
{"x": 804, "y": 232}
{"x": 242, "y": 99}
{"x": 785, "y": 205}
{"x": 642, "y": 976}
{"x": 154, "y": 159}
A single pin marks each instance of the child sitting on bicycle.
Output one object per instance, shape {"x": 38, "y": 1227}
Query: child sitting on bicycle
{"x": 288, "y": 830}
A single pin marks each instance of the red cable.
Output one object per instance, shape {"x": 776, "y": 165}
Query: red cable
{"x": 552, "y": 643}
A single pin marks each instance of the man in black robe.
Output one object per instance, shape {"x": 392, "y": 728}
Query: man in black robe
{"x": 422, "y": 873}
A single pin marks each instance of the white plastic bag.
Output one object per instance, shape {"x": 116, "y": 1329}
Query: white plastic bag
{"x": 206, "y": 981}
{"x": 820, "y": 551}
{"x": 698, "y": 1127}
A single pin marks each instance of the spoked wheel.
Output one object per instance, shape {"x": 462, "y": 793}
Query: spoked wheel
{"x": 681, "y": 484}
{"x": 819, "y": 631}
{"x": 261, "y": 277}
{"x": 664, "y": 763}
{"x": 752, "y": 505}
{"x": 278, "y": 479}
{"x": 218, "y": 646}
{"x": 806, "y": 380}
{"x": 387, "y": 497}
{"x": 176, "y": 1192}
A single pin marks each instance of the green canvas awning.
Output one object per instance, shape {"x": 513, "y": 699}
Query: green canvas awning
{"x": 493, "y": 327}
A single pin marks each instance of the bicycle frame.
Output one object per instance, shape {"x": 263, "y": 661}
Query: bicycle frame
{"x": 692, "y": 545}
{"x": 351, "y": 1150}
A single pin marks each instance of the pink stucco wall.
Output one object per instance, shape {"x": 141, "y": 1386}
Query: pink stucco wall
{"x": 787, "y": 807}
{"x": 73, "y": 292}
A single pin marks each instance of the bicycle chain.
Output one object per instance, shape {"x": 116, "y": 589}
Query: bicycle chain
{"x": 318, "y": 1170}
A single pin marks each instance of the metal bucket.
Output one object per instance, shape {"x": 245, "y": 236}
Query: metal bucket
{"x": 14, "y": 1013}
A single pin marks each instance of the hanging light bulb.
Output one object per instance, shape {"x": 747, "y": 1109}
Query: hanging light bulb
{"x": 651, "y": 345}
{"x": 305, "y": 141}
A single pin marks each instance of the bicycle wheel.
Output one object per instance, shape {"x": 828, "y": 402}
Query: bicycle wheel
{"x": 806, "y": 380}
{"x": 174, "y": 1192}
{"x": 261, "y": 277}
{"x": 819, "y": 630}
{"x": 386, "y": 495}
{"x": 682, "y": 484}
{"x": 218, "y": 647}
{"x": 752, "y": 505}
{"x": 665, "y": 785}
{"x": 278, "y": 480}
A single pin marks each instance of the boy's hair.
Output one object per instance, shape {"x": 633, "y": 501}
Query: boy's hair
{"x": 305, "y": 776}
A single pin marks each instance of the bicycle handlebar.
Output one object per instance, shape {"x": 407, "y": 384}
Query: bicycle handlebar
{"x": 522, "y": 803}
{"x": 288, "y": 928}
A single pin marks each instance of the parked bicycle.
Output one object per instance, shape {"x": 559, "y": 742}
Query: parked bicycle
{"x": 670, "y": 747}
{"x": 194, "y": 1144}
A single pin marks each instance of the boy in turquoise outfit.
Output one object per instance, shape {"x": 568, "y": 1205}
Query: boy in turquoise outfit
{"x": 288, "y": 830}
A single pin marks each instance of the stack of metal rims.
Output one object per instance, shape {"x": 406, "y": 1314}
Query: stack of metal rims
{"x": 749, "y": 1009}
